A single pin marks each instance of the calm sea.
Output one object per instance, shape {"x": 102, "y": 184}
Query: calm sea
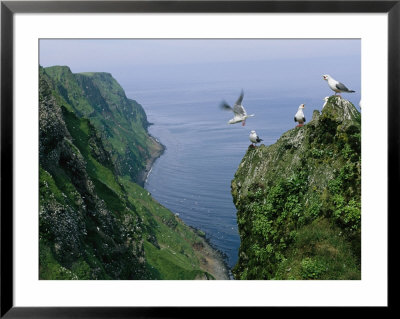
{"x": 193, "y": 177}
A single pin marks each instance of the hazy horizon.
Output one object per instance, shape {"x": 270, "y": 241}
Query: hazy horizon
{"x": 278, "y": 66}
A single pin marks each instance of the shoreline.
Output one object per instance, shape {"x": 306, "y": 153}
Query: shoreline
{"x": 155, "y": 153}
{"x": 220, "y": 265}
{"x": 212, "y": 259}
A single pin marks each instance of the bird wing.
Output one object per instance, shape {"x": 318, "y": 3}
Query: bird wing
{"x": 240, "y": 99}
{"x": 225, "y": 106}
{"x": 341, "y": 86}
{"x": 239, "y": 110}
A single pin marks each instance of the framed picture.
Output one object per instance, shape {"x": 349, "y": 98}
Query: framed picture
{"x": 43, "y": 32}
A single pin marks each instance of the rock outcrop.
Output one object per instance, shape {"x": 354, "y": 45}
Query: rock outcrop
{"x": 299, "y": 200}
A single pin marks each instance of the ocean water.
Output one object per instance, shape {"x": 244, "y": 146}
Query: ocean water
{"x": 193, "y": 176}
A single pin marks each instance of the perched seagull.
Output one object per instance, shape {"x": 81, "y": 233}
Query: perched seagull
{"x": 299, "y": 117}
{"x": 336, "y": 85}
{"x": 326, "y": 101}
{"x": 240, "y": 114}
{"x": 254, "y": 139}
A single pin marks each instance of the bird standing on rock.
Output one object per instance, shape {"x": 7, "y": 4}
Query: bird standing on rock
{"x": 336, "y": 86}
{"x": 299, "y": 117}
{"x": 240, "y": 114}
{"x": 254, "y": 139}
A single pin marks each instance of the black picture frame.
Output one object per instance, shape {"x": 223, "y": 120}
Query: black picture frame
{"x": 9, "y": 8}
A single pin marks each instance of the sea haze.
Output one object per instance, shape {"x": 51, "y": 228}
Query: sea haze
{"x": 192, "y": 178}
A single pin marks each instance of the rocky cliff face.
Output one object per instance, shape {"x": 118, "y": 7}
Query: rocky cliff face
{"x": 299, "y": 200}
{"x": 121, "y": 122}
{"x": 95, "y": 222}
{"x": 80, "y": 235}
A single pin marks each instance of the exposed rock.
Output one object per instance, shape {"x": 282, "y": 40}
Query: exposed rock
{"x": 311, "y": 173}
{"x": 95, "y": 222}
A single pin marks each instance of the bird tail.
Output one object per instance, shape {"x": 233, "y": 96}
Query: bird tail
{"x": 251, "y": 115}
{"x": 351, "y": 91}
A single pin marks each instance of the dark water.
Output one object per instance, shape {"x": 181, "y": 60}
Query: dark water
{"x": 192, "y": 178}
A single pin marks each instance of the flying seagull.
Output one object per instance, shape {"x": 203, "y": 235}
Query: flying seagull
{"x": 336, "y": 85}
{"x": 240, "y": 114}
{"x": 299, "y": 117}
{"x": 254, "y": 139}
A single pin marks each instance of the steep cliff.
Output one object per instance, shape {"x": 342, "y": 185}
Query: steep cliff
{"x": 121, "y": 122}
{"x": 95, "y": 222}
{"x": 299, "y": 200}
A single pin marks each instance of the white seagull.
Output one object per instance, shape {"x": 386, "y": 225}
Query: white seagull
{"x": 254, "y": 139}
{"x": 299, "y": 117}
{"x": 240, "y": 114}
{"x": 336, "y": 85}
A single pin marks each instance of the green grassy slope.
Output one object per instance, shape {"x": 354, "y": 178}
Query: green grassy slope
{"x": 121, "y": 122}
{"x": 96, "y": 222}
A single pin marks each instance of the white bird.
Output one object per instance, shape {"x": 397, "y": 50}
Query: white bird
{"x": 336, "y": 85}
{"x": 326, "y": 101}
{"x": 299, "y": 116}
{"x": 254, "y": 139}
{"x": 240, "y": 114}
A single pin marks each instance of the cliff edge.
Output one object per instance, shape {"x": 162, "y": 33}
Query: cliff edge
{"x": 299, "y": 200}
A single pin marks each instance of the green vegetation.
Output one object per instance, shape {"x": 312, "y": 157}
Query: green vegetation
{"x": 320, "y": 251}
{"x": 171, "y": 247}
{"x": 299, "y": 201}
{"x": 95, "y": 222}
{"x": 121, "y": 123}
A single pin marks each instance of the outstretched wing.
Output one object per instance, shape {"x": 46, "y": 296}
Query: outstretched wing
{"x": 240, "y": 99}
{"x": 239, "y": 110}
{"x": 225, "y": 106}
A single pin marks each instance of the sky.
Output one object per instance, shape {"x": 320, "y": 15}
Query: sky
{"x": 280, "y": 65}
{"x": 91, "y": 53}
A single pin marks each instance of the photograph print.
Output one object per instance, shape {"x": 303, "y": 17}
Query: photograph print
{"x": 199, "y": 159}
